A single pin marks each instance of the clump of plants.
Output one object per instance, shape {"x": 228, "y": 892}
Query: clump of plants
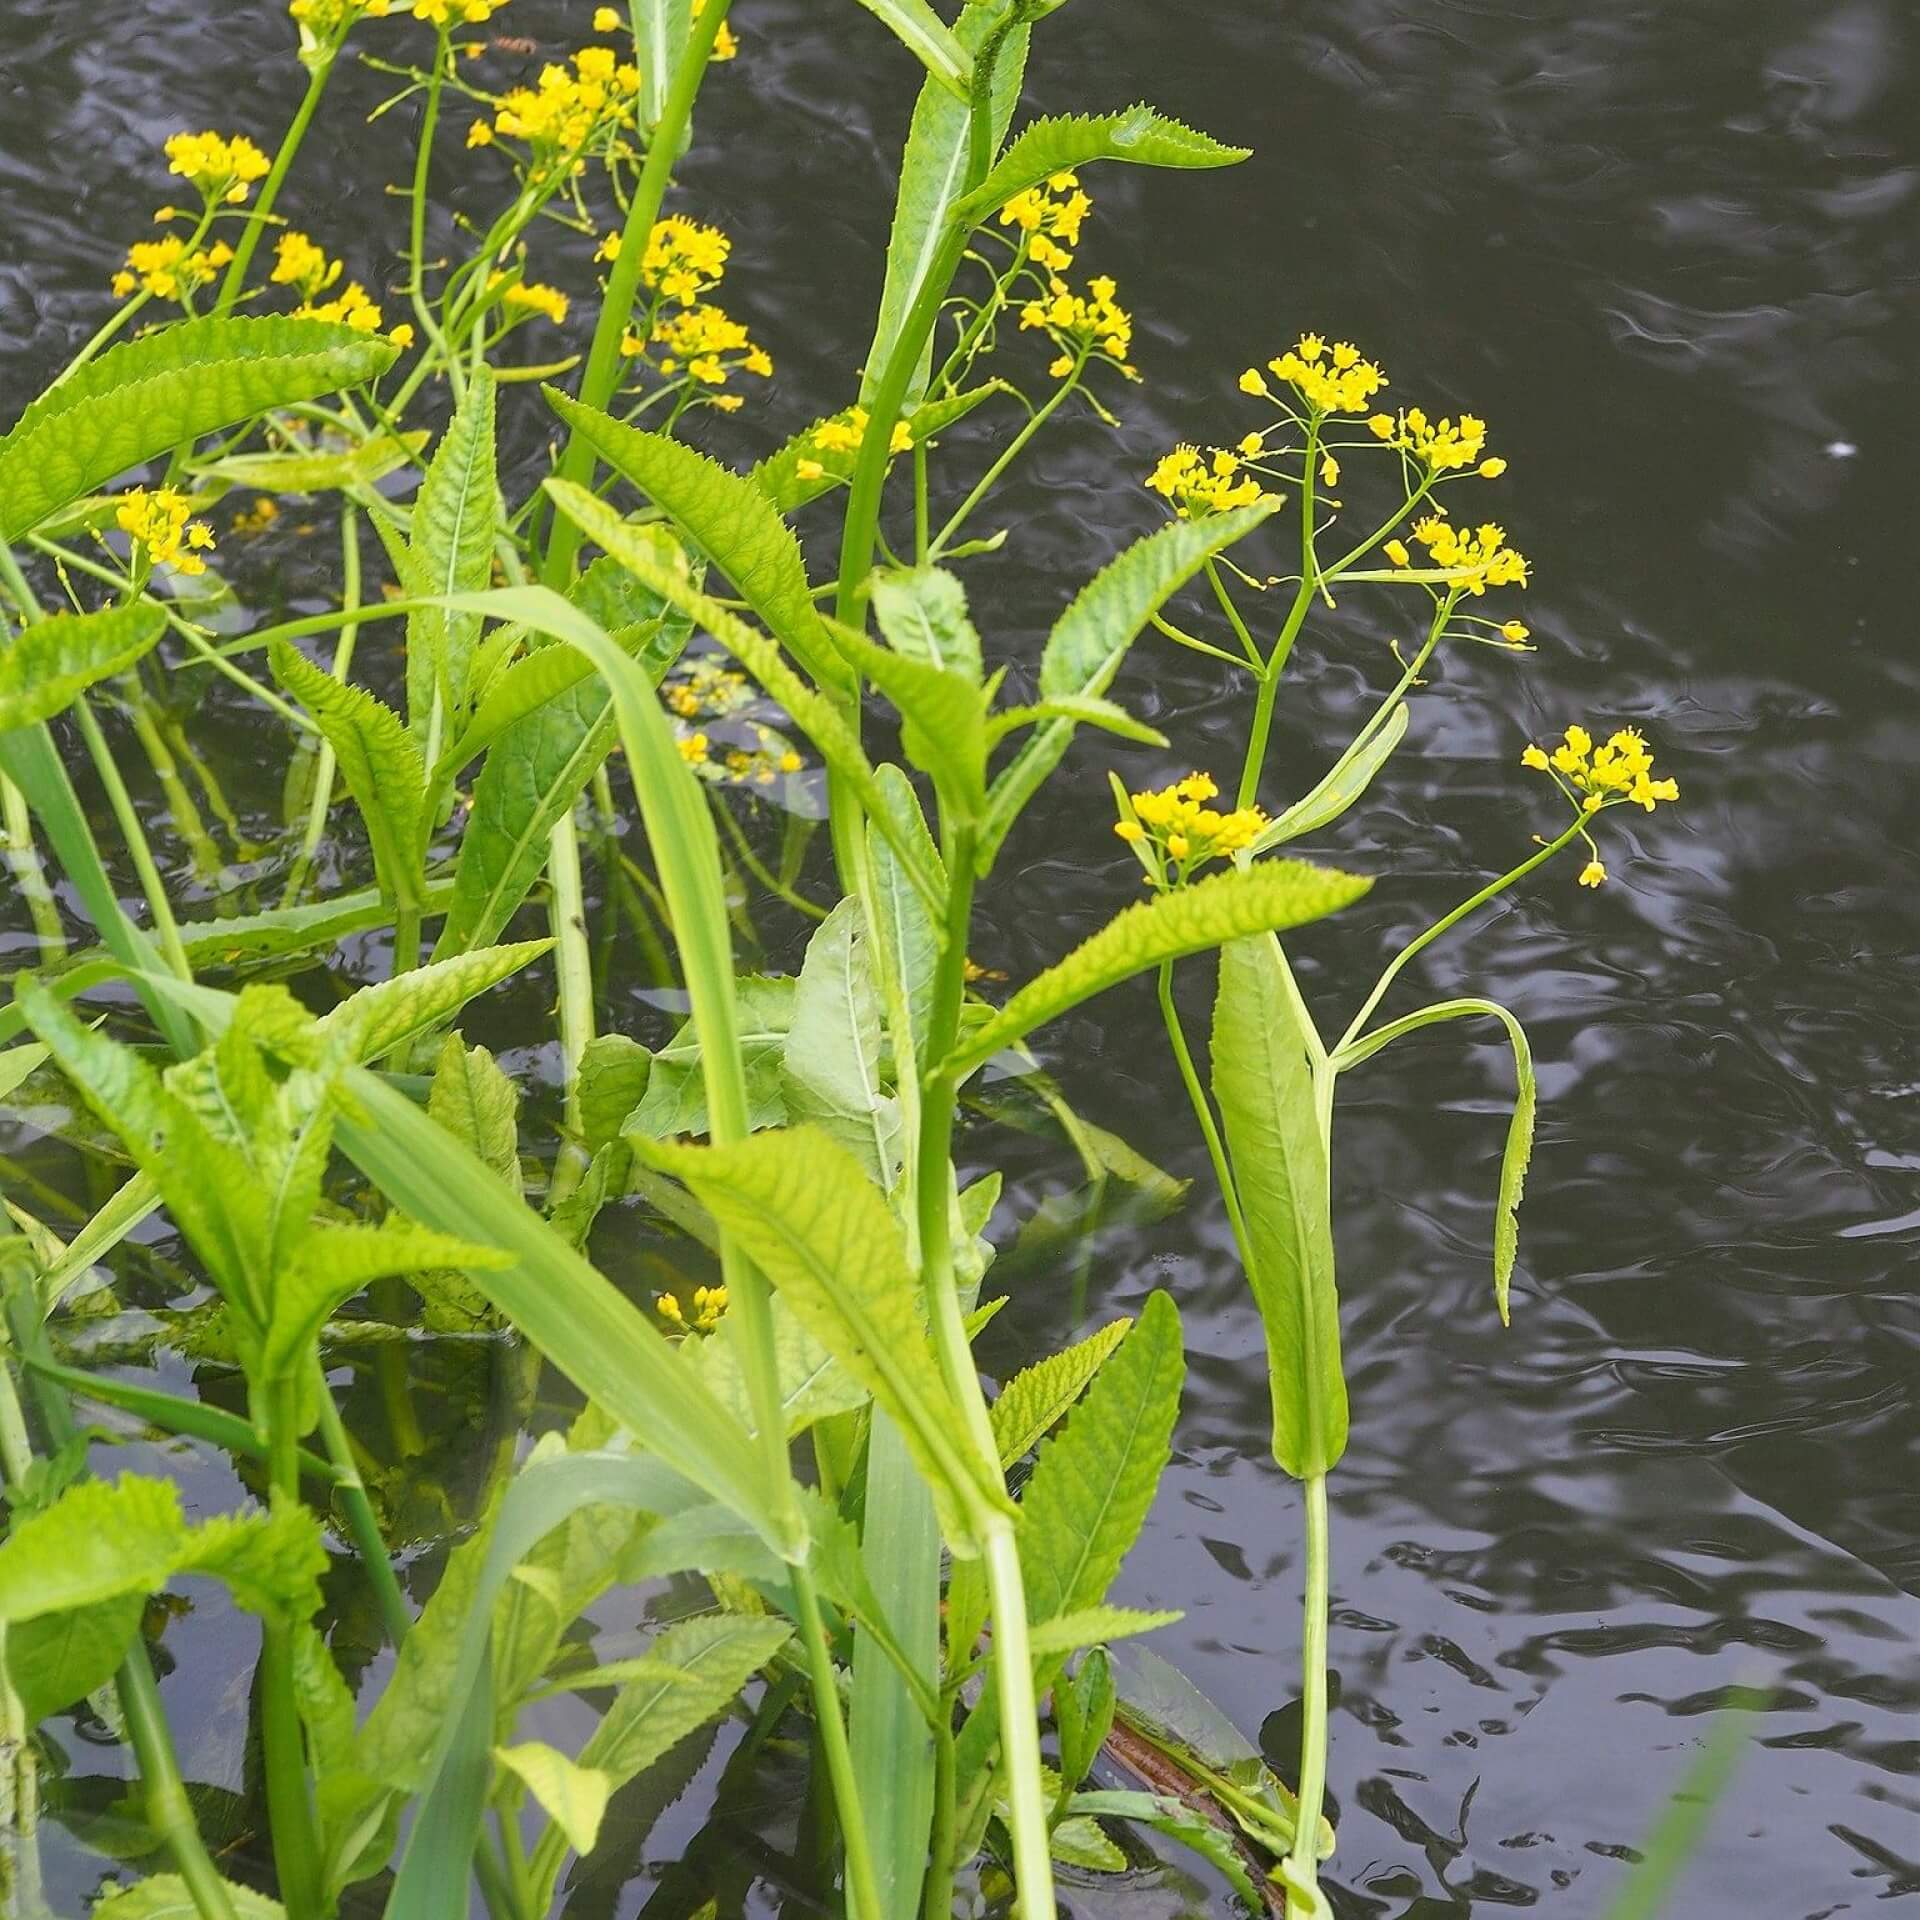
{"x": 631, "y": 666}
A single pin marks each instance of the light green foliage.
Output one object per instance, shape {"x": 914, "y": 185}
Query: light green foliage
{"x": 923, "y": 32}
{"x": 912, "y": 937}
{"x": 922, "y": 613}
{"x": 945, "y": 715}
{"x": 478, "y": 1105}
{"x": 352, "y": 472}
{"x": 1220, "y": 908}
{"x": 379, "y": 1017}
{"x": 47, "y": 665}
{"x": 381, "y": 763}
{"x": 450, "y": 550}
{"x": 1266, "y": 1093}
{"x": 1070, "y": 140}
{"x": 1174, "y": 1818}
{"x": 801, "y": 1209}
{"x": 1037, "y": 1397}
{"x": 676, "y": 1096}
{"x": 148, "y": 396}
{"x": 59, "y": 1658}
{"x": 1096, "y": 1626}
{"x": 614, "y": 1074}
{"x": 164, "y": 1896}
{"x": 813, "y": 1384}
{"x": 1346, "y": 780}
{"x": 573, "y": 1797}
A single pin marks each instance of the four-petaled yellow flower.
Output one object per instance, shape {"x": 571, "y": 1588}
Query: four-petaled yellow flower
{"x": 1050, "y": 215}
{"x": 683, "y": 260}
{"x": 567, "y": 111}
{"x": 1440, "y": 445}
{"x": 168, "y": 268}
{"x": 160, "y": 523}
{"x": 1597, "y": 777}
{"x": 845, "y": 431}
{"x": 1480, "y": 556}
{"x": 1336, "y": 379}
{"x": 1083, "y": 326}
{"x": 447, "y": 13}
{"x": 222, "y": 168}
{"x": 299, "y": 264}
{"x": 1173, "y": 832}
{"x": 1198, "y": 485}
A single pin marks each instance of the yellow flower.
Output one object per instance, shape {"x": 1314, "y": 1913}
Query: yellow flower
{"x": 1329, "y": 471}
{"x": 1342, "y": 381}
{"x": 809, "y": 470}
{"x": 526, "y": 298}
{"x": 1048, "y": 215}
{"x": 1514, "y": 632}
{"x": 159, "y": 522}
{"x": 1396, "y": 551}
{"x": 683, "y": 260}
{"x": 845, "y": 431}
{"x": 1592, "y": 874}
{"x": 709, "y": 344}
{"x": 299, "y": 264}
{"x": 567, "y": 111}
{"x": 1173, "y": 832}
{"x": 1197, "y": 488}
{"x": 725, "y": 46}
{"x": 446, "y": 13}
{"x": 480, "y": 134}
{"x": 1492, "y": 469}
{"x": 352, "y": 308}
{"x": 1093, "y": 324}
{"x": 1255, "y": 382}
{"x": 1442, "y": 445}
{"x": 1603, "y": 776}
{"x": 606, "y": 20}
{"x": 223, "y": 169}
{"x": 709, "y": 1303}
{"x": 402, "y": 335}
{"x": 1480, "y": 558}
{"x": 168, "y": 268}
{"x": 329, "y": 19}
{"x": 693, "y": 749}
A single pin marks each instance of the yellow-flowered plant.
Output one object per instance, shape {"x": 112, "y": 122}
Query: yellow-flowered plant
{"x": 170, "y": 268}
{"x": 1197, "y": 485}
{"x": 709, "y": 1306}
{"x": 300, "y": 264}
{"x": 1049, "y": 217}
{"x": 1617, "y": 773}
{"x": 461, "y": 13}
{"x": 1084, "y": 326}
{"x": 569, "y": 113}
{"x": 164, "y": 533}
{"x": 1174, "y": 833}
{"x": 223, "y": 167}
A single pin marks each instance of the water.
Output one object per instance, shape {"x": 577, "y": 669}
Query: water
{"x": 1671, "y": 254}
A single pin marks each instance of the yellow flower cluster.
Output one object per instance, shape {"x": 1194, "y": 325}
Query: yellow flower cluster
{"x": 683, "y": 260}
{"x": 527, "y": 299}
{"x": 844, "y": 434}
{"x": 328, "y": 20}
{"x": 1598, "y": 777}
{"x": 1173, "y": 828}
{"x": 1198, "y": 485}
{"x": 169, "y": 268}
{"x": 1083, "y": 325}
{"x": 709, "y": 1303}
{"x": 706, "y": 687}
{"x": 447, "y": 13}
{"x": 693, "y": 748}
{"x": 1050, "y": 216}
{"x": 299, "y": 264}
{"x": 1440, "y": 445}
{"x": 222, "y": 169}
{"x": 725, "y": 46}
{"x": 1336, "y": 379}
{"x": 709, "y": 344}
{"x": 1480, "y": 555}
{"x": 569, "y": 108}
{"x": 160, "y": 522}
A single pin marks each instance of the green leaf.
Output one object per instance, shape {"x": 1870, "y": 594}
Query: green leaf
{"x": 1092, "y": 637}
{"x": 1346, "y": 780}
{"x": 573, "y": 1797}
{"x": 801, "y": 1209}
{"x": 380, "y": 762}
{"x": 727, "y": 517}
{"x": 663, "y": 28}
{"x": 1070, "y": 140}
{"x": 676, "y": 1097}
{"x": 1094, "y": 1482}
{"x": 164, "y": 1896}
{"x": 1211, "y": 912}
{"x": 1078, "y": 1842}
{"x": 16, "y": 1064}
{"x": 145, "y": 397}
{"x": 1265, "y": 1088}
{"x": 390, "y": 1011}
{"x": 908, "y": 926}
{"x": 614, "y": 1072}
{"x": 455, "y": 518}
{"x": 945, "y": 715}
{"x": 1177, "y": 1821}
{"x": 1036, "y": 1399}
{"x": 811, "y": 712}
{"x": 350, "y": 471}
{"x": 62, "y": 1657}
{"x": 1078, "y": 709}
{"x": 933, "y": 175}
{"x": 50, "y": 662}
{"x": 533, "y": 774}
{"x": 779, "y": 475}
{"x": 831, "y": 1069}
{"x": 479, "y": 1105}
{"x": 813, "y": 1384}
{"x": 925, "y": 35}
{"x": 1094, "y": 1627}
{"x": 922, "y": 613}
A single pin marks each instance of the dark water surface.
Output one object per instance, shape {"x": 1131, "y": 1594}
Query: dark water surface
{"x": 1673, "y": 254}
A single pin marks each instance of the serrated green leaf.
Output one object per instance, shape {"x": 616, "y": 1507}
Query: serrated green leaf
{"x": 1037, "y": 1398}
{"x": 675, "y": 1101}
{"x": 1347, "y": 779}
{"x": 813, "y": 1384}
{"x": 1080, "y": 710}
{"x": 47, "y": 664}
{"x": 801, "y": 1209}
{"x": 534, "y": 773}
{"x": 380, "y": 762}
{"x": 944, "y": 714}
{"x": 1092, "y": 637}
{"x": 831, "y": 1066}
{"x": 61, "y": 1657}
{"x": 926, "y": 36}
{"x": 779, "y": 475}
{"x": 727, "y": 517}
{"x": 379, "y": 1017}
{"x": 1077, "y": 1841}
{"x": 573, "y": 1797}
{"x": 1263, "y": 1083}
{"x": 933, "y": 175}
{"x": 1211, "y": 912}
{"x": 479, "y": 1105}
{"x": 612, "y": 1081}
{"x": 1094, "y": 1626}
{"x": 145, "y": 397}
{"x": 164, "y": 1896}
{"x": 922, "y": 613}
{"x": 455, "y": 518}
{"x": 1069, "y": 140}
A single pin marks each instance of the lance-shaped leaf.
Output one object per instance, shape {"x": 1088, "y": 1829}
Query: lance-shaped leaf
{"x": 573, "y": 1797}
{"x": 145, "y": 397}
{"x": 1036, "y": 1399}
{"x": 927, "y": 37}
{"x": 1211, "y": 912}
{"x": 1345, "y": 781}
{"x": 1096, "y": 1626}
{"x": 480, "y": 1106}
{"x": 47, "y": 664}
{"x": 390, "y": 1011}
{"x": 906, "y": 922}
{"x": 803, "y": 468}
{"x": 808, "y": 1218}
{"x": 945, "y": 715}
{"x": 1519, "y": 1148}
{"x": 1264, "y": 1085}
{"x": 933, "y": 175}
{"x": 727, "y": 517}
{"x": 351, "y": 471}
{"x": 450, "y": 544}
{"x": 922, "y": 613}
{"x": 1070, "y": 140}
{"x": 1092, "y": 637}
{"x": 381, "y": 763}
{"x": 1167, "y": 1814}
{"x": 811, "y": 712}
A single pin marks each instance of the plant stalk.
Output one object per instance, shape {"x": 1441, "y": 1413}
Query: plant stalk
{"x": 1301, "y": 1872}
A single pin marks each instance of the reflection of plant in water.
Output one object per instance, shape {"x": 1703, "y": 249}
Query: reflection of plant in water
{"x": 794, "y": 1131}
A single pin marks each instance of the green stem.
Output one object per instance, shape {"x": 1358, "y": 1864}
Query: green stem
{"x": 1019, "y": 1724}
{"x": 362, "y": 1524}
{"x": 1203, "y": 1112}
{"x": 324, "y": 761}
{"x": 230, "y": 287}
{"x": 187, "y": 822}
{"x": 938, "y": 1901}
{"x": 573, "y": 960}
{"x": 623, "y": 283}
{"x": 1035, "y": 421}
{"x": 1301, "y": 1872}
{"x": 863, "y": 1887}
{"x": 417, "y": 229}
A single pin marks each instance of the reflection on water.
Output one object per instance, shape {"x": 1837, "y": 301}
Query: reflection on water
{"x": 1670, "y": 253}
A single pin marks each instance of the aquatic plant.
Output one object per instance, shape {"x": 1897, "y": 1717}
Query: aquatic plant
{"x": 343, "y": 1177}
